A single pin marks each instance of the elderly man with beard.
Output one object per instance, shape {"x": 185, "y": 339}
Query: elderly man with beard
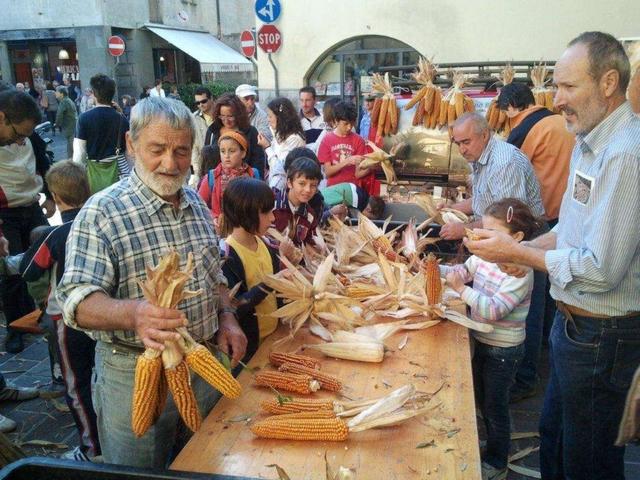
{"x": 118, "y": 233}
{"x": 593, "y": 260}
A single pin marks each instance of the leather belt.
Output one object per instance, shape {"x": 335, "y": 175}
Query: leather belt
{"x": 572, "y": 310}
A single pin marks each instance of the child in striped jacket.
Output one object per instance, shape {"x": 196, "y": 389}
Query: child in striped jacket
{"x": 503, "y": 301}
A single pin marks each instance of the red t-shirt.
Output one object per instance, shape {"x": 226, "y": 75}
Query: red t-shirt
{"x": 333, "y": 148}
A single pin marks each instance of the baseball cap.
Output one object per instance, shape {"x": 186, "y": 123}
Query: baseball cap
{"x": 245, "y": 90}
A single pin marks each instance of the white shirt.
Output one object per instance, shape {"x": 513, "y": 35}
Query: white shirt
{"x": 154, "y": 93}
{"x": 20, "y": 186}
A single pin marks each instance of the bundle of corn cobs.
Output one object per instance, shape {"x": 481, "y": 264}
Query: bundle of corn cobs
{"x": 497, "y": 118}
{"x": 360, "y": 278}
{"x": 428, "y": 98}
{"x": 541, "y": 92}
{"x": 325, "y": 420}
{"x": 455, "y": 103}
{"x": 385, "y": 114}
{"x": 158, "y": 372}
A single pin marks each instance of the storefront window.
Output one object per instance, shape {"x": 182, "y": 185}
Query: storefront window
{"x": 346, "y": 70}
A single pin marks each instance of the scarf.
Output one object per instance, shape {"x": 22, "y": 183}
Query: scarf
{"x": 222, "y": 176}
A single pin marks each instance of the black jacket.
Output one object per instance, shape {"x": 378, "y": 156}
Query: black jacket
{"x": 255, "y": 153}
{"x": 234, "y": 272}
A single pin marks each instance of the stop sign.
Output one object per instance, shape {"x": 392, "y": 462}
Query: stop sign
{"x": 248, "y": 43}
{"x": 269, "y": 38}
{"x": 115, "y": 45}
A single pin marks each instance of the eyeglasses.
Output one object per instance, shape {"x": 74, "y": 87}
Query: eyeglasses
{"x": 201, "y": 102}
{"x": 226, "y": 117}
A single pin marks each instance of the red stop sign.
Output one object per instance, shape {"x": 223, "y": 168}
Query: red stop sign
{"x": 269, "y": 38}
{"x": 248, "y": 43}
{"x": 115, "y": 45}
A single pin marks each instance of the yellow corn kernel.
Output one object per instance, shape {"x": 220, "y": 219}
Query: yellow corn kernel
{"x": 202, "y": 361}
{"x": 289, "y": 382}
{"x": 327, "y": 382}
{"x": 277, "y": 407}
{"x": 179, "y": 384}
{"x": 276, "y": 359}
{"x": 145, "y": 391}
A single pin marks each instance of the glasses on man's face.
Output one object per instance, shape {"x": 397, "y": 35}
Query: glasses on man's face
{"x": 226, "y": 117}
{"x": 202, "y": 102}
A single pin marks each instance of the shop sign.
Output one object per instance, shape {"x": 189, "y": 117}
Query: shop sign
{"x": 268, "y": 10}
{"x": 70, "y": 71}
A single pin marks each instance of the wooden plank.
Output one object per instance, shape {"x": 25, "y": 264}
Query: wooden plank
{"x": 432, "y": 358}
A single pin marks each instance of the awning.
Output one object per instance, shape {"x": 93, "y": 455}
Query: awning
{"x": 213, "y": 55}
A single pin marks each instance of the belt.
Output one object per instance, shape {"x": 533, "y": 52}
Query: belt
{"x": 570, "y": 310}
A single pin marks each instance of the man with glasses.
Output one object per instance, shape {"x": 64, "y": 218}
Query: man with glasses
{"x": 203, "y": 117}
{"x": 23, "y": 164}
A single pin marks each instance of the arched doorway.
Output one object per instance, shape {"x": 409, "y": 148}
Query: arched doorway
{"x": 346, "y": 69}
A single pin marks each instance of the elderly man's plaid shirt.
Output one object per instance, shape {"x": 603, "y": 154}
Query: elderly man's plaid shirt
{"x": 126, "y": 228}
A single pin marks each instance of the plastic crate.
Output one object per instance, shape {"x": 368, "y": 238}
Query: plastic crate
{"x": 45, "y": 468}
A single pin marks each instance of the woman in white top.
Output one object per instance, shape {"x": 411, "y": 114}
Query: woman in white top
{"x": 287, "y": 135}
{"x": 157, "y": 91}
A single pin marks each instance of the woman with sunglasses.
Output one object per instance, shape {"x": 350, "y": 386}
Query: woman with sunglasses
{"x": 229, "y": 113}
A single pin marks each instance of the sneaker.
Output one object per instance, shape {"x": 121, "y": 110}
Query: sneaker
{"x": 489, "y": 472}
{"x": 7, "y": 425}
{"x": 18, "y": 394}
{"x": 13, "y": 343}
{"x": 76, "y": 455}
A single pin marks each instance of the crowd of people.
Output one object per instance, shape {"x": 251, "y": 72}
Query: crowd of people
{"x": 553, "y": 207}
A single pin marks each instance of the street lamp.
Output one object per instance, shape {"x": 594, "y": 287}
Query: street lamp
{"x": 63, "y": 54}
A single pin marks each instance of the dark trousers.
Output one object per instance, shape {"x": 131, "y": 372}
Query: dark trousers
{"x": 528, "y": 370}
{"x": 592, "y": 364}
{"x": 17, "y": 225}
{"x": 77, "y": 358}
{"x": 494, "y": 369}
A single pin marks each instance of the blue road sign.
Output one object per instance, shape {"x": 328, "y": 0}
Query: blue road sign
{"x": 268, "y": 10}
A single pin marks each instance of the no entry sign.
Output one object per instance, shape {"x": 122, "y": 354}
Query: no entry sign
{"x": 248, "y": 43}
{"x": 115, "y": 45}
{"x": 269, "y": 38}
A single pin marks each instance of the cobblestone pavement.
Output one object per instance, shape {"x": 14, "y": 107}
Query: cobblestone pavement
{"x": 48, "y": 420}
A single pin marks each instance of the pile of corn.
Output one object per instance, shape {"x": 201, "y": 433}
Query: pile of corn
{"x": 159, "y": 372}
{"x": 541, "y": 92}
{"x": 296, "y": 373}
{"x": 428, "y": 99}
{"x": 497, "y": 119}
{"x": 455, "y": 103}
{"x": 385, "y": 114}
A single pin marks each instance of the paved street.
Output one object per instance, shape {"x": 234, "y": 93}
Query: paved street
{"x": 47, "y": 419}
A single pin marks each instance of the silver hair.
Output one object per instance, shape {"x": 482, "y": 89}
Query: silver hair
{"x": 153, "y": 109}
{"x": 480, "y": 124}
{"x": 63, "y": 90}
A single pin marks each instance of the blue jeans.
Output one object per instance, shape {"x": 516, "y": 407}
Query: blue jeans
{"x": 112, "y": 394}
{"x": 494, "y": 369}
{"x": 528, "y": 370}
{"x": 592, "y": 364}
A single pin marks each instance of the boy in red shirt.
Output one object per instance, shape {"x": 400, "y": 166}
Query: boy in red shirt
{"x": 342, "y": 150}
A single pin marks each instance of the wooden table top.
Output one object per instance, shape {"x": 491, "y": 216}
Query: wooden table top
{"x": 442, "y": 444}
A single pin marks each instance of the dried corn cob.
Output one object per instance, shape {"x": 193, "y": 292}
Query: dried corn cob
{"x": 360, "y": 352}
{"x": 328, "y": 429}
{"x": 163, "y": 393}
{"x": 145, "y": 391}
{"x": 327, "y": 382}
{"x": 375, "y": 113}
{"x": 289, "y": 382}
{"x": 433, "y": 283}
{"x": 469, "y": 233}
{"x": 276, "y": 359}
{"x": 363, "y": 290}
{"x": 202, "y": 361}
{"x": 277, "y": 407}
{"x": 305, "y": 415}
{"x": 179, "y": 383}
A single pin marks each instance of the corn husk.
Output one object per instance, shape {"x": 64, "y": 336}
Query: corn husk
{"x": 363, "y": 352}
{"x": 385, "y": 405}
{"x": 541, "y": 92}
{"x": 381, "y": 158}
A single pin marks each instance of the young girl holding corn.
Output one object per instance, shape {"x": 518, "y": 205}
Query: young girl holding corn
{"x": 248, "y": 212}
{"x": 503, "y": 301}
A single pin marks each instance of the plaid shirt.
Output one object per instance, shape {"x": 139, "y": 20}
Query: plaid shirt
{"x": 503, "y": 171}
{"x": 126, "y": 228}
{"x": 596, "y": 262}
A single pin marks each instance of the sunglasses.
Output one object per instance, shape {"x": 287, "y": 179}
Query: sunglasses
{"x": 201, "y": 102}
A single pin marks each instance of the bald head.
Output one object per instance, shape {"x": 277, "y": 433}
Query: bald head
{"x": 471, "y": 134}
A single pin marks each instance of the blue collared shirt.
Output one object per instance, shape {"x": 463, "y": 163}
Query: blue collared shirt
{"x": 126, "y": 228}
{"x": 503, "y": 171}
{"x": 596, "y": 263}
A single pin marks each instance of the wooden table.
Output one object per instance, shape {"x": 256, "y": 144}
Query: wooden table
{"x": 431, "y": 358}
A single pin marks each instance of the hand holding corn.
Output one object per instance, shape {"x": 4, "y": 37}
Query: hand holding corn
{"x": 155, "y": 325}
{"x": 230, "y": 338}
